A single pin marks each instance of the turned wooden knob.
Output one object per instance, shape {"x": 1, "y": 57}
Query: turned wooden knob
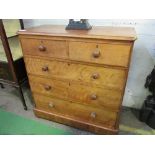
{"x": 47, "y": 87}
{"x": 42, "y": 48}
{"x": 93, "y": 96}
{"x": 95, "y": 76}
{"x": 51, "y": 105}
{"x": 93, "y": 114}
{"x": 45, "y": 68}
{"x": 96, "y": 53}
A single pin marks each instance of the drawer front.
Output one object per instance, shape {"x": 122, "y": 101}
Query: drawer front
{"x": 77, "y": 111}
{"x": 47, "y": 48}
{"x": 108, "y": 54}
{"x": 95, "y": 97}
{"x": 49, "y": 87}
{"x": 98, "y": 76}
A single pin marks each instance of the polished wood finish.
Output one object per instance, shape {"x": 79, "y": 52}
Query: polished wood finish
{"x": 101, "y": 98}
{"x": 77, "y": 111}
{"x": 47, "y": 48}
{"x": 49, "y": 87}
{"x": 109, "y": 33}
{"x": 108, "y": 54}
{"x": 78, "y": 78}
{"x": 81, "y": 93}
{"x": 81, "y": 124}
{"x": 107, "y": 77}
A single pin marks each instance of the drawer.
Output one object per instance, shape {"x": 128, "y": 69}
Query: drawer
{"x": 108, "y": 54}
{"x": 95, "y": 97}
{"x": 49, "y": 87}
{"x": 76, "y": 111}
{"x": 91, "y": 75}
{"x": 47, "y": 48}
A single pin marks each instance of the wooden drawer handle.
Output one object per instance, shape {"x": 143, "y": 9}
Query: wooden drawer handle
{"x": 95, "y": 76}
{"x": 93, "y": 114}
{"x": 45, "y": 68}
{"x": 93, "y": 96}
{"x": 96, "y": 53}
{"x": 47, "y": 87}
{"x": 51, "y": 105}
{"x": 42, "y": 48}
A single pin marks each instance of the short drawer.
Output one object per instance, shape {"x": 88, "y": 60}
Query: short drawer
{"x": 95, "y": 97}
{"x": 46, "y": 48}
{"x": 108, "y": 54}
{"x": 98, "y": 76}
{"x": 76, "y": 111}
{"x": 49, "y": 87}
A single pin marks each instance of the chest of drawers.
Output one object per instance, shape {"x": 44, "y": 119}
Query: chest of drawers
{"x": 78, "y": 77}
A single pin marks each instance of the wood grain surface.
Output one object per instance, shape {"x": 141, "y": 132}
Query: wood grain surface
{"x": 49, "y": 87}
{"x": 75, "y": 92}
{"x": 76, "y": 111}
{"x": 107, "y": 77}
{"x": 78, "y": 78}
{"x": 98, "y": 32}
{"x": 52, "y": 48}
{"x": 108, "y": 54}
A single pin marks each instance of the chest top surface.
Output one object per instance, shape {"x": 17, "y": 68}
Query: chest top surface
{"x": 97, "y": 32}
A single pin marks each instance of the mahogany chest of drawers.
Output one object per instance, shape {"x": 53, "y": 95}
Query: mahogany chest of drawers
{"x": 78, "y": 77}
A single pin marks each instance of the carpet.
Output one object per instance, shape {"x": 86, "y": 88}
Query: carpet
{"x": 12, "y": 124}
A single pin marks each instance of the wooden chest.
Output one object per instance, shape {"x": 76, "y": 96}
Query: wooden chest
{"x": 78, "y": 77}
